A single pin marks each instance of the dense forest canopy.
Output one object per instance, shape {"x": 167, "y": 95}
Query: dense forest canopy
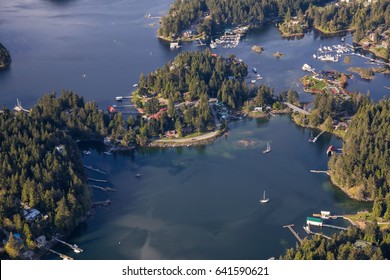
{"x": 362, "y": 171}
{"x": 5, "y": 57}
{"x": 212, "y": 15}
{"x": 194, "y": 73}
{"x": 40, "y": 168}
{"x": 374, "y": 245}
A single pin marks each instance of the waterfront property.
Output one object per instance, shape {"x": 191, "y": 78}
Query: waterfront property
{"x": 311, "y": 221}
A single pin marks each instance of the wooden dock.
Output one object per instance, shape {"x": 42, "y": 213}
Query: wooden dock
{"x": 293, "y": 232}
{"x": 335, "y": 227}
{"x": 308, "y": 231}
{"x": 316, "y": 138}
{"x": 65, "y": 257}
{"x": 96, "y": 180}
{"x": 95, "y": 169}
{"x": 74, "y": 247}
{"x": 105, "y": 189}
{"x": 101, "y": 203}
{"x": 319, "y": 171}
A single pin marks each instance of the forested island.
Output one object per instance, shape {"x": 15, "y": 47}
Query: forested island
{"x": 5, "y": 57}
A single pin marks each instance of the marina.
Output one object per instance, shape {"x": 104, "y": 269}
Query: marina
{"x": 170, "y": 174}
{"x": 228, "y": 40}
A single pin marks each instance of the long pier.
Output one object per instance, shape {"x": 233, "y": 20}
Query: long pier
{"x": 293, "y": 232}
{"x": 319, "y": 171}
{"x": 308, "y": 231}
{"x": 123, "y": 106}
{"x": 316, "y": 138}
{"x": 94, "y": 169}
{"x": 65, "y": 257}
{"x": 96, "y": 180}
{"x": 105, "y": 189}
{"x": 74, "y": 247}
{"x": 335, "y": 227}
{"x": 101, "y": 203}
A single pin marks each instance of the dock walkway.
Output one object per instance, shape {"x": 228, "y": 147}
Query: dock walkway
{"x": 96, "y": 180}
{"x": 293, "y": 232}
{"x": 65, "y": 257}
{"x": 95, "y": 169}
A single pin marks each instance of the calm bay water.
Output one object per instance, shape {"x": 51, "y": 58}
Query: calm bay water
{"x": 189, "y": 203}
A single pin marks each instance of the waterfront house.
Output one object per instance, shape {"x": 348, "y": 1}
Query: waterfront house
{"x": 311, "y": 221}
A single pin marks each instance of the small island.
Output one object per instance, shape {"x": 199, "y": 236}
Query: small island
{"x": 278, "y": 54}
{"x": 257, "y": 49}
{"x": 5, "y": 57}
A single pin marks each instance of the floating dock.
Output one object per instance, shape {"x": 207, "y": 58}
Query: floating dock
{"x": 308, "y": 231}
{"x": 120, "y": 98}
{"x": 101, "y": 203}
{"x": 95, "y": 169}
{"x": 96, "y": 180}
{"x": 105, "y": 189}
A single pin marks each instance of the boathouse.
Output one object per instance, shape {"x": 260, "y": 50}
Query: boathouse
{"x": 311, "y": 221}
{"x": 325, "y": 214}
{"x": 330, "y": 151}
{"x": 174, "y": 45}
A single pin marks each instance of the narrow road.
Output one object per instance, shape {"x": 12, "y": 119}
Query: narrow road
{"x": 296, "y": 109}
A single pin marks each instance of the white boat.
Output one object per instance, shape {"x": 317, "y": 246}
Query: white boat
{"x": 268, "y": 148}
{"x": 258, "y": 77}
{"x": 264, "y": 200}
{"x": 213, "y": 45}
{"x": 119, "y": 98}
{"x": 135, "y": 85}
{"x": 254, "y": 70}
{"x": 253, "y": 81}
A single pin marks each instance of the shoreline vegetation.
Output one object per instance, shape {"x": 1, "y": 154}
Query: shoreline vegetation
{"x": 5, "y": 57}
{"x": 368, "y": 22}
{"x": 187, "y": 86}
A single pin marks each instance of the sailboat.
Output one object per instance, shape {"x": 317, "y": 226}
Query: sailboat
{"x": 264, "y": 200}
{"x": 311, "y": 137}
{"x": 268, "y": 148}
